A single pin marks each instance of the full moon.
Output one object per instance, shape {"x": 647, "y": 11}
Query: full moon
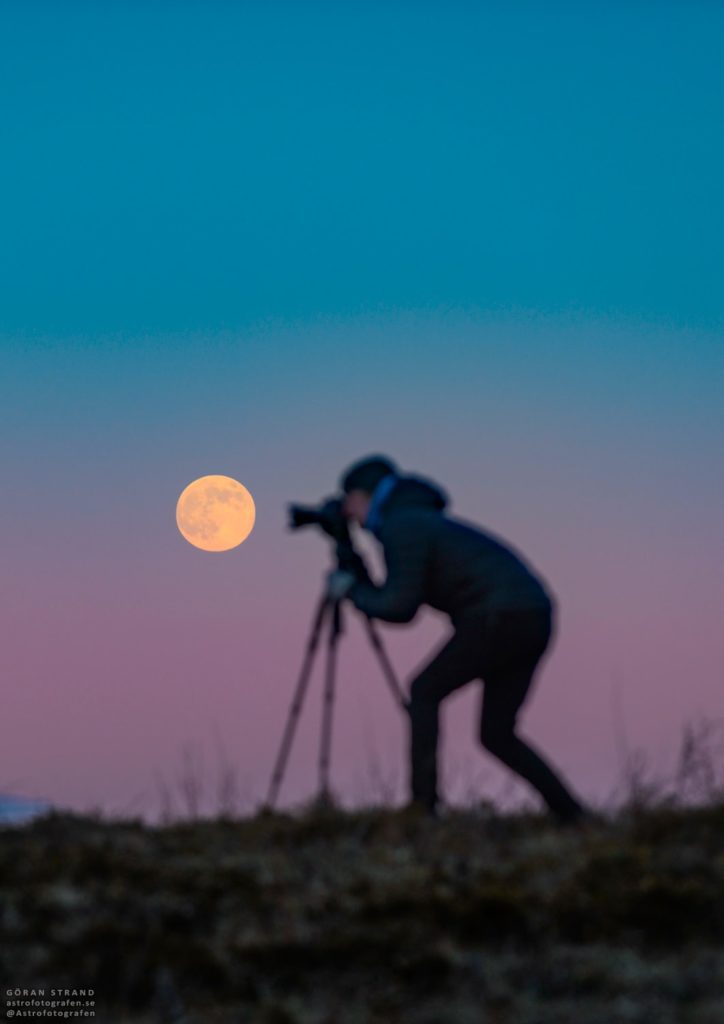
{"x": 215, "y": 513}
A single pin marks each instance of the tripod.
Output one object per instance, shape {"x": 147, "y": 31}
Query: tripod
{"x": 330, "y": 610}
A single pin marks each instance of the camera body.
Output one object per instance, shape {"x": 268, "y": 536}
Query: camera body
{"x": 330, "y": 518}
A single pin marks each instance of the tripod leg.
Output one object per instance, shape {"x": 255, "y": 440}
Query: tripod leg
{"x": 296, "y": 706}
{"x": 328, "y": 706}
{"x": 387, "y": 669}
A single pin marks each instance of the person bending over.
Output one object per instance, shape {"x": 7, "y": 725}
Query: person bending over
{"x": 502, "y": 614}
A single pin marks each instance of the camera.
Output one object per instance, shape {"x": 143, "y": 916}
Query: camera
{"x": 328, "y": 516}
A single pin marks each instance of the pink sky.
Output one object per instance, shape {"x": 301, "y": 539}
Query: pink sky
{"x": 122, "y": 643}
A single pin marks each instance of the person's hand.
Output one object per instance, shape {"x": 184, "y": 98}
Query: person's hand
{"x": 339, "y": 583}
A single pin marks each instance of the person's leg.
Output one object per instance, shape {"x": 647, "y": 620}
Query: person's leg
{"x": 456, "y": 663}
{"x": 514, "y": 646}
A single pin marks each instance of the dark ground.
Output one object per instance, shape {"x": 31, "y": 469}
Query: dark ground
{"x": 372, "y": 918}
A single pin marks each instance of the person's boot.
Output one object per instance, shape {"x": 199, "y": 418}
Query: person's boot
{"x": 419, "y": 810}
{"x": 579, "y": 820}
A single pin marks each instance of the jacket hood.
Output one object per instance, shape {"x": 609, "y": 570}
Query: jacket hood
{"x": 413, "y": 491}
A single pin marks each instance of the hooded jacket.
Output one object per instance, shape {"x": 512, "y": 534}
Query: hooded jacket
{"x": 443, "y": 562}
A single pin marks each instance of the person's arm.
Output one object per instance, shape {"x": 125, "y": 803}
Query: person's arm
{"x": 406, "y": 545}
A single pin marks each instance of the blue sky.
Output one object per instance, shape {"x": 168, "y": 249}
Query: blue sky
{"x": 205, "y": 166}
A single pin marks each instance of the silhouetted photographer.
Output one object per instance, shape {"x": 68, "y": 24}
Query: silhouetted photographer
{"x": 502, "y": 614}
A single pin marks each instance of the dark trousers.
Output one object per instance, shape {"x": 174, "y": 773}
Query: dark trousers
{"x": 503, "y": 650}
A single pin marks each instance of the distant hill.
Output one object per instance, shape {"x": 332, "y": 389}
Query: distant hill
{"x": 16, "y": 810}
{"x": 372, "y": 917}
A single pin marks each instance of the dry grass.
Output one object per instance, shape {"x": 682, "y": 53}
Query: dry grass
{"x": 374, "y": 916}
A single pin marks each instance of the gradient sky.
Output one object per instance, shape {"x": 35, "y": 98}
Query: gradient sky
{"x": 262, "y": 240}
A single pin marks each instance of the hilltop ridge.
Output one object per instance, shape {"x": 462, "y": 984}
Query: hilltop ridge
{"x": 372, "y": 917}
